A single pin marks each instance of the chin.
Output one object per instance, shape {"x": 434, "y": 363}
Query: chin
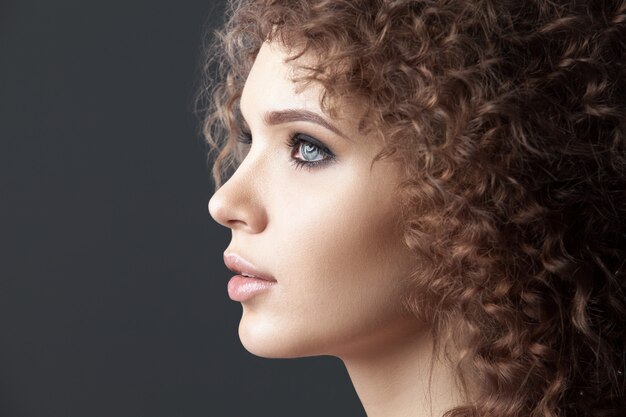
{"x": 265, "y": 343}
{"x": 268, "y": 340}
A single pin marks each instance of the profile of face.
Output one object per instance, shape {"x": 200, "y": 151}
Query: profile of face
{"x": 307, "y": 206}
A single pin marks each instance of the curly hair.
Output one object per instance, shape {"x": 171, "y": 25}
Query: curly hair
{"x": 509, "y": 119}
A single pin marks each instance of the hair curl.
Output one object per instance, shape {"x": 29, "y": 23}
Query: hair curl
{"x": 509, "y": 118}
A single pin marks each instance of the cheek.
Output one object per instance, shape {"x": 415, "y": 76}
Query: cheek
{"x": 341, "y": 258}
{"x": 339, "y": 262}
{"x": 346, "y": 234}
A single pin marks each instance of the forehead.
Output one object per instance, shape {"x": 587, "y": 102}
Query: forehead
{"x": 270, "y": 84}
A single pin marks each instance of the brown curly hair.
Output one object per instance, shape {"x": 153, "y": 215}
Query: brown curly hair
{"x": 509, "y": 118}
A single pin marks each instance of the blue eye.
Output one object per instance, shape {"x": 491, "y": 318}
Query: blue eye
{"x": 305, "y": 150}
{"x": 308, "y": 152}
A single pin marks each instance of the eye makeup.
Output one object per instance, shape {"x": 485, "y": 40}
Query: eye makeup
{"x": 295, "y": 143}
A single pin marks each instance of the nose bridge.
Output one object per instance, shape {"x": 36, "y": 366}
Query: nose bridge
{"x": 238, "y": 203}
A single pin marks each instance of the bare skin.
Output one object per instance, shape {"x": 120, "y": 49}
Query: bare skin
{"x": 329, "y": 236}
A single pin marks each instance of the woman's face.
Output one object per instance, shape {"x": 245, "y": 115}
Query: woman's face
{"x": 327, "y": 232}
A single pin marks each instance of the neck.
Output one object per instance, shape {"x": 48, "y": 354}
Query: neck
{"x": 402, "y": 377}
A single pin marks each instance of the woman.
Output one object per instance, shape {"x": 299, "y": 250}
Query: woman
{"x": 432, "y": 191}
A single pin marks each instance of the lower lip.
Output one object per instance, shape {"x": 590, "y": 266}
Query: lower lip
{"x": 242, "y": 288}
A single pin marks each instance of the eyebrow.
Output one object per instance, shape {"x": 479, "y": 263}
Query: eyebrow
{"x": 295, "y": 115}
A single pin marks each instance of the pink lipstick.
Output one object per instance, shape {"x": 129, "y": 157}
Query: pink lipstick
{"x": 249, "y": 280}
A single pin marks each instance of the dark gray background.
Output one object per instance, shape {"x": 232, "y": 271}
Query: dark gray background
{"x": 113, "y": 294}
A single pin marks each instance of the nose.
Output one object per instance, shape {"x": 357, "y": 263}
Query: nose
{"x": 238, "y": 203}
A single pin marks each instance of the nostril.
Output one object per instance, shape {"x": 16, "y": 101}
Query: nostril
{"x": 235, "y": 223}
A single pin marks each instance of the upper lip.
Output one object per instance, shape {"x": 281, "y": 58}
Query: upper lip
{"x": 239, "y": 265}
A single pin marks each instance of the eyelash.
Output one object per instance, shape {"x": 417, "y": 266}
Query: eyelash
{"x": 293, "y": 143}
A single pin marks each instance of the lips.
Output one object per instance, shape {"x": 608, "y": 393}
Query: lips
{"x": 249, "y": 280}
{"x": 241, "y": 266}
